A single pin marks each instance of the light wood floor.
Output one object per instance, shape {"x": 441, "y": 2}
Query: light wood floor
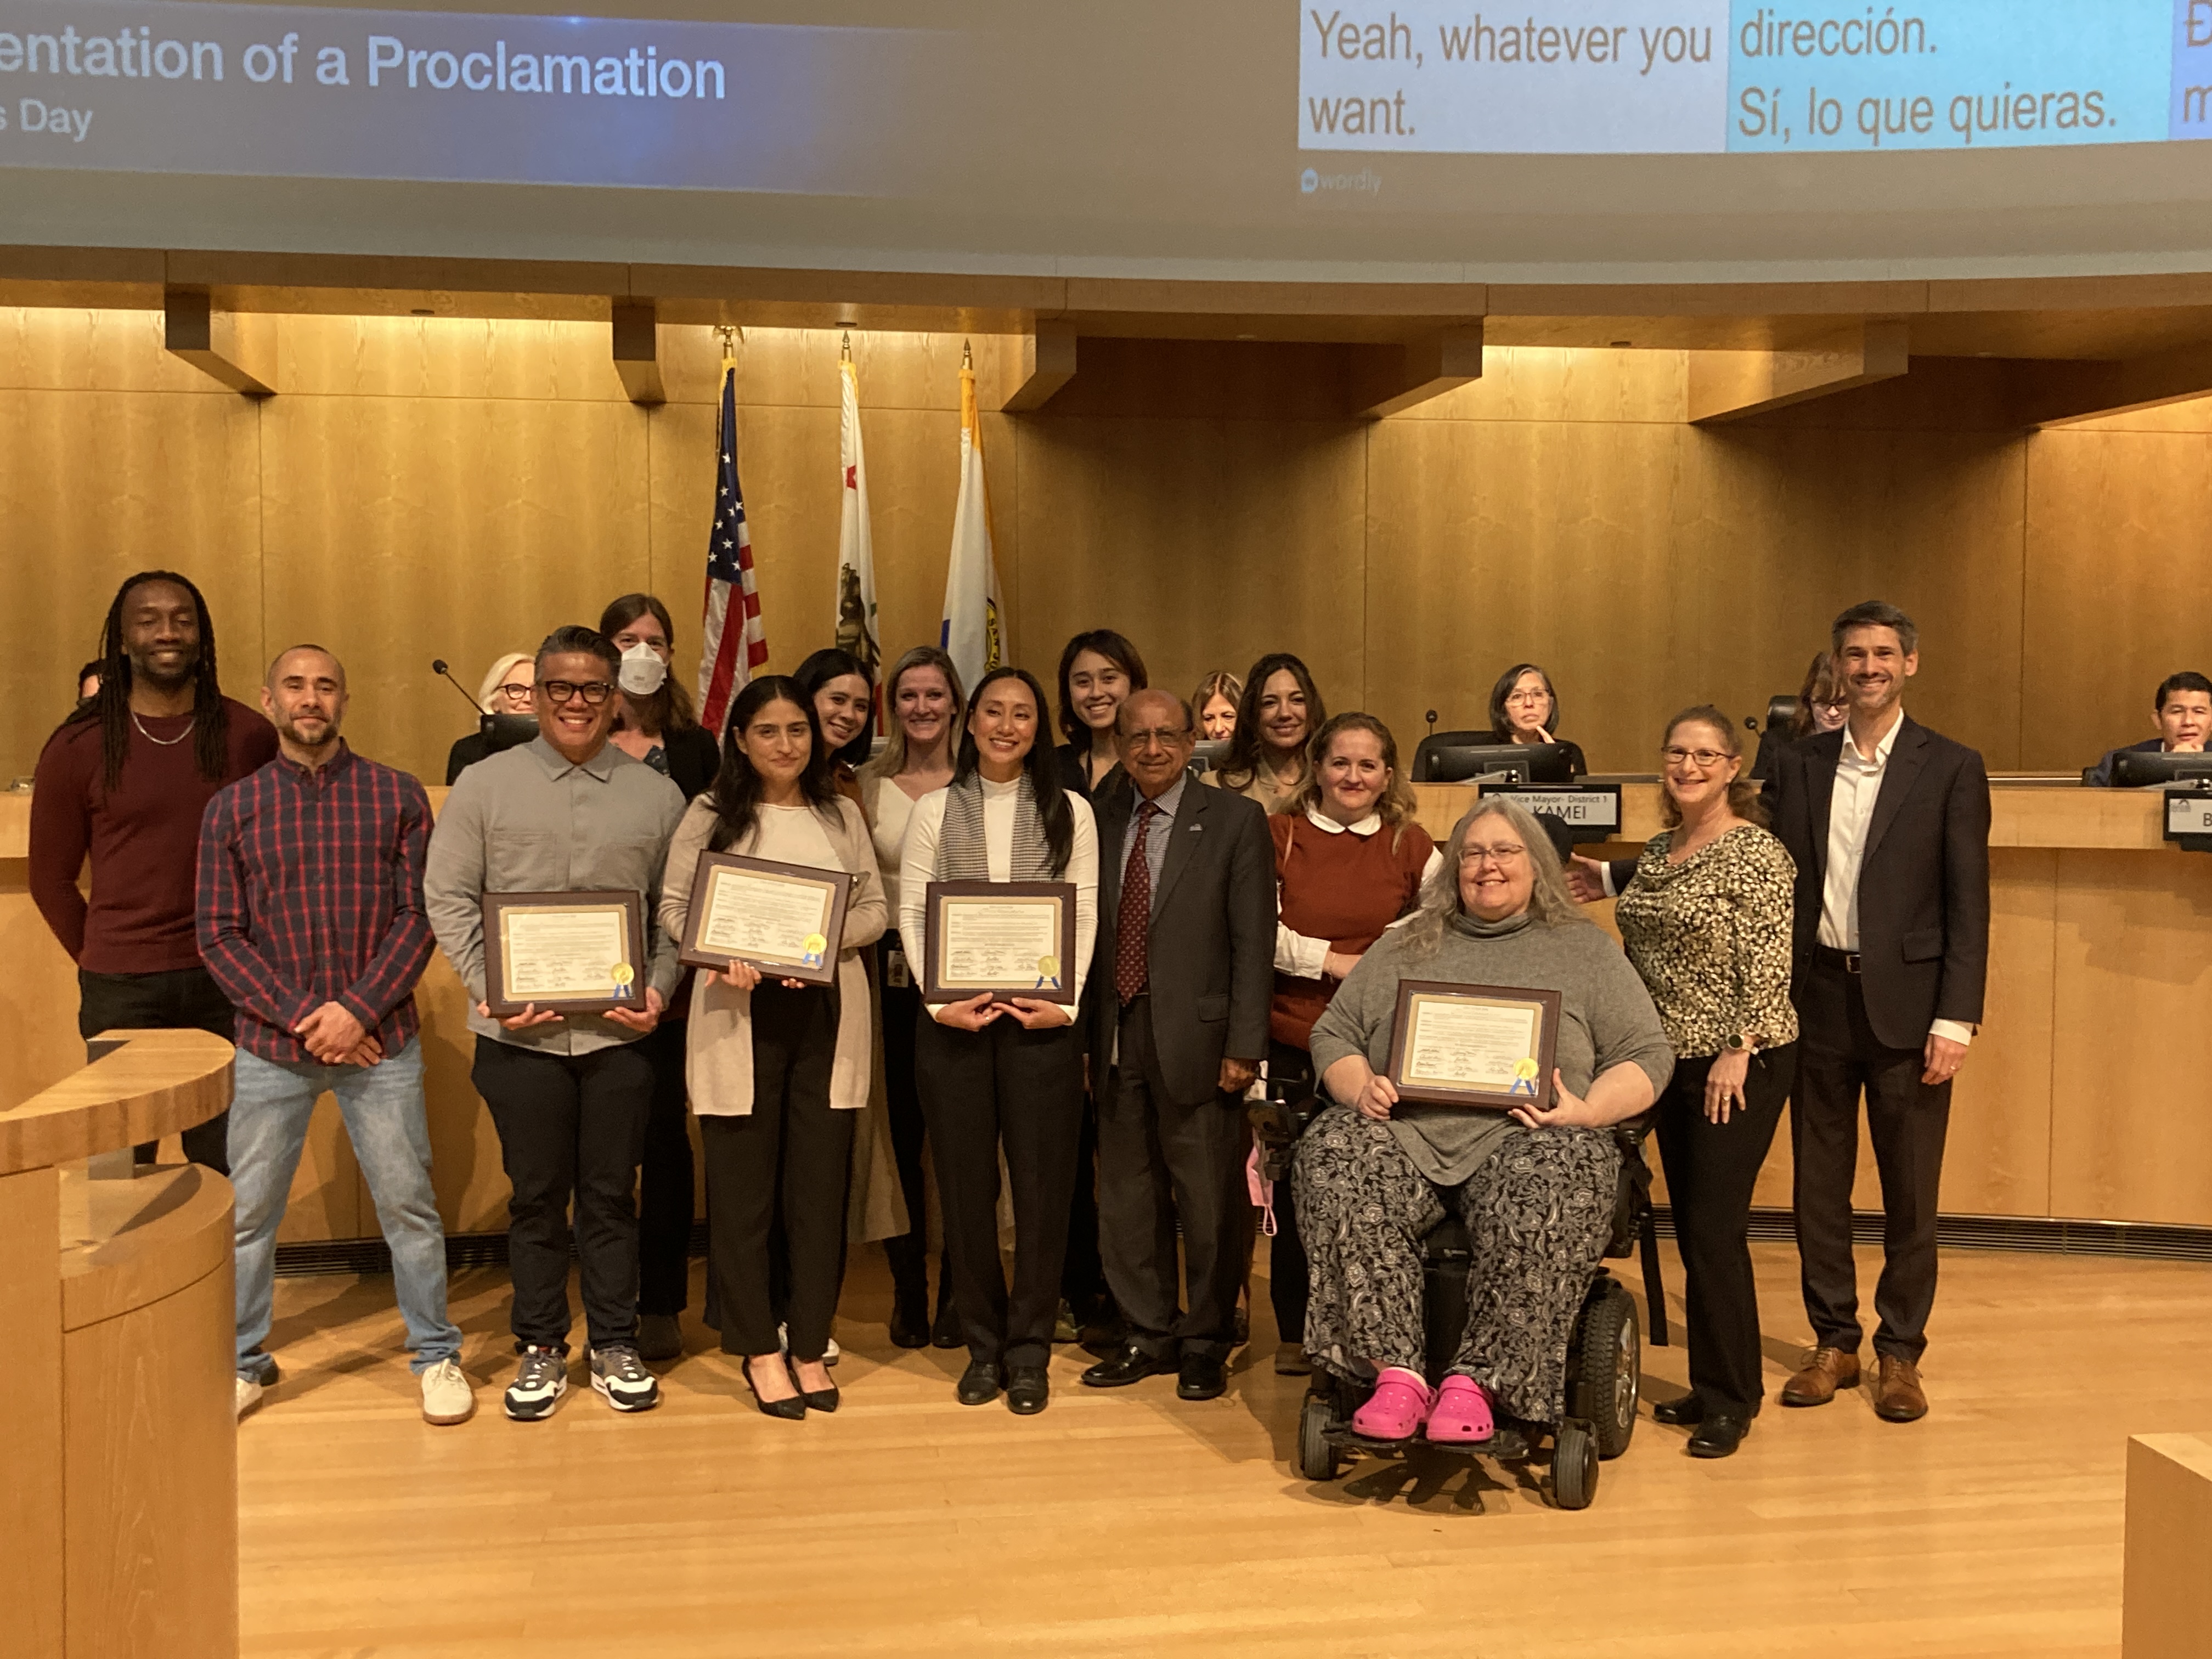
{"x": 1130, "y": 1523}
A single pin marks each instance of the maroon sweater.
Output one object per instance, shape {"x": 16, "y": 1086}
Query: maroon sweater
{"x": 1344, "y": 887}
{"x": 143, "y": 840}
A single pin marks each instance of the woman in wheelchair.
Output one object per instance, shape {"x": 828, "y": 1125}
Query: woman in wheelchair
{"x": 1535, "y": 1188}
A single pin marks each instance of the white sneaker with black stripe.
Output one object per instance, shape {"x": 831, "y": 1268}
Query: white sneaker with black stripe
{"x": 539, "y": 1382}
{"x": 619, "y": 1375}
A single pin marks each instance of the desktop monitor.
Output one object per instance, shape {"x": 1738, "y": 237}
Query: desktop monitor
{"x": 1524, "y": 763}
{"x": 2135, "y": 768}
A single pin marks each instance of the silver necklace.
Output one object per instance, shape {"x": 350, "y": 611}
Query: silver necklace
{"x": 165, "y": 742}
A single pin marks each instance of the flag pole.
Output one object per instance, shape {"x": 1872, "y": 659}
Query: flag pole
{"x": 845, "y": 346}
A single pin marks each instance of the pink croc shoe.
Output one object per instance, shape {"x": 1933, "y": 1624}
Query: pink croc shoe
{"x": 1396, "y": 1407}
{"x": 1460, "y": 1416}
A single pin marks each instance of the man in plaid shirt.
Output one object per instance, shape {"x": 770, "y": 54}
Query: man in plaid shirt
{"x": 311, "y": 919}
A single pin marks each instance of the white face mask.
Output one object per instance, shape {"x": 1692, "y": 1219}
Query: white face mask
{"x": 642, "y": 671}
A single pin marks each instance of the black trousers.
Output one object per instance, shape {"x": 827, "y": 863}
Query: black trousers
{"x": 1710, "y": 1170}
{"x": 1838, "y": 1058}
{"x": 1002, "y": 1086}
{"x": 1162, "y": 1162}
{"x": 178, "y": 999}
{"x": 907, "y": 1253}
{"x": 664, "y": 1179}
{"x": 790, "y": 1159}
{"x": 570, "y": 1127}
{"x": 1083, "y": 1272}
{"x": 1288, "y": 1280}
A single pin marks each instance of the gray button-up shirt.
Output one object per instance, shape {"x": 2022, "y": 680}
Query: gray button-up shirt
{"x": 1156, "y": 832}
{"x": 526, "y": 821}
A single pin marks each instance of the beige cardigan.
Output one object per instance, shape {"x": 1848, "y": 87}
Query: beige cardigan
{"x": 720, "y": 1065}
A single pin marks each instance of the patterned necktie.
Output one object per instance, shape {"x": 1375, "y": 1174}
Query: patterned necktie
{"x": 1133, "y": 927}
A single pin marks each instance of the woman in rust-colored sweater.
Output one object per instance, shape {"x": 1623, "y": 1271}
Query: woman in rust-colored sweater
{"x": 1349, "y": 861}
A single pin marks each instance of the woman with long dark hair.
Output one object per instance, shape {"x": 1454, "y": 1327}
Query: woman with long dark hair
{"x": 1280, "y": 711}
{"x": 656, "y": 723}
{"x": 844, "y": 708}
{"x": 922, "y": 696}
{"x": 1007, "y": 1075}
{"x": 778, "y": 1069}
{"x": 1098, "y": 669}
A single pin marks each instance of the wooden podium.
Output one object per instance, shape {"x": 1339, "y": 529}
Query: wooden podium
{"x": 118, "y": 1536}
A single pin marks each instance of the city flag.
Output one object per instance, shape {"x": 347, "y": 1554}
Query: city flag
{"x": 855, "y": 622}
{"x": 734, "y": 644}
{"x": 973, "y": 634}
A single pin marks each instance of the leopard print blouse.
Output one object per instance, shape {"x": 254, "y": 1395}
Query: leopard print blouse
{"x": 1711, "y": 937}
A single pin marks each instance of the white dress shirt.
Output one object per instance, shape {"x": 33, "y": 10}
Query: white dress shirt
{"x": 1302, "y": 957}
{"x": 1850, "y": 812}
{"x": 918, "y": 868}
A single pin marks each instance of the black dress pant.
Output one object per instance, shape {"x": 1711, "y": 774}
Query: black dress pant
{"x": 1082, "y": 1273}
{"x": 1288, "y": 1282}
{"x": 1710, "y": 1170}
{"x": 570, "y": 1126}
{"x": 909, "y": 1253}
{"x": 664, "y": 1180}
{"x": 1839, "y": 1058}
{"x": 177, "y": 1000}
{"x": 1161, "y": 1162}
{"x": 789, "y": 1160}
{"x": 1002, "y": 1086}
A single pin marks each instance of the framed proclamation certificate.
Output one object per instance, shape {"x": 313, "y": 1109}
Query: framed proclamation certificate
{"x": 578, "y": 952}
{"x": 1012, "y": 938}
{"x": 787, "y": 920}
{"x": 1473, "y": 1045}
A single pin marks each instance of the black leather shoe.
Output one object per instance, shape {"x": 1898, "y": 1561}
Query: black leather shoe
{"x": 944, "y": 1330}
{"x": 1028, "y": 1387}
{"x": 1719, "y": 1434}
{"x": 1201, "y": 1377}
{"x": 909, "y": 1325}
{"x": 1132, "y": 1364}
{"x": 979, "y": 1383}
{"x": 1679, "y": 1413}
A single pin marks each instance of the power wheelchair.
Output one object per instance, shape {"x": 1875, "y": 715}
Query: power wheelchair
{"x": 1604, "y": 1353}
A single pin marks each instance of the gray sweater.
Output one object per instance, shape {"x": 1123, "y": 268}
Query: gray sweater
{"x": 1606, "y": 1018}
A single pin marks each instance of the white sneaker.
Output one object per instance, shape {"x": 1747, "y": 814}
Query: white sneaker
{"x": 447, "y": 1396}
{"x": 247, "y": 1394}
{"x": 830, "y": 1355}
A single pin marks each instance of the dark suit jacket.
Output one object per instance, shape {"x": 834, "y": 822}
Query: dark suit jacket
{"x": 1924, "y": 876}
{"x": 1211, "y": 953}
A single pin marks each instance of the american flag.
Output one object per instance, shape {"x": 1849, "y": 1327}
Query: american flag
{"x": 732, "y": 654}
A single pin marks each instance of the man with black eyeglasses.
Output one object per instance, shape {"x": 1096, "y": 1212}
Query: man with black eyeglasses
{"x": 568, "y": 1093}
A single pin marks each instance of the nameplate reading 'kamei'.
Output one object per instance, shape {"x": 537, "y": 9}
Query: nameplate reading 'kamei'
{"x": 1485, "y": 1046}
{"x": 1010, "y": 938}
{"x": 787, "y": 920}
{"x": 1591, "y": 811}
{"x": 575, "y": 952}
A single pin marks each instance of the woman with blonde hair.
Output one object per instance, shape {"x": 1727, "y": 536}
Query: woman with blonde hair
{"x": 1214, "y": 705}
{"x": 506, "y": 689}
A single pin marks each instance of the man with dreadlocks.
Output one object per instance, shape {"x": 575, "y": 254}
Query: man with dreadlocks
{"x": 124, "y": 780}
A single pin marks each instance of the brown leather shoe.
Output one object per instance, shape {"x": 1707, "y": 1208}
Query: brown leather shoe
{"x": 1896, "y": 1393}
{"x": 1827, "y": 1369}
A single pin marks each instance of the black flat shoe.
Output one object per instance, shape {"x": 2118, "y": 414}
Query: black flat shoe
{"x": 979, "y": 1383}
{"x": 1679, "y": 1413}
{"x": 944, "y": 1330}
{"x": 1028, "y": 1388}
{"x": 1201, "y": 1377}
{"x": 909, "y": 1325}
{"x": 1132, "y": 1364}
{"x": 793, "y": 1410}
{"x": 1719, "y": 1434}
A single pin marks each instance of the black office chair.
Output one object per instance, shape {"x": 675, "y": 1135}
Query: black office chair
{"x": 1426, "y": 753}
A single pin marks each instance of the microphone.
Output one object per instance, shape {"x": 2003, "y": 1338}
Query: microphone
{"x": 1432, "y": 722}
{"x": 438, "y": 666}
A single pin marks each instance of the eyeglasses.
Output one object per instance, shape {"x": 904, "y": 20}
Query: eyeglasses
{"x": 593, "y": 692}
{"x": 1157, "y": 737}
{"x": 1701, "y": 759}
{"x": 1504, "y": 853}
{"x": 1527, "y": 699}
{"x": 514, "y": 688}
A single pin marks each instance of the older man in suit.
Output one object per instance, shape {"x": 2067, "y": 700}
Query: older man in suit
{"x": 1186, "y": 898}
{"x": 1889, "y": 824}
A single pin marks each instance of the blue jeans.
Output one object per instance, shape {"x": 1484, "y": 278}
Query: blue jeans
{"x": 382, "y": 1104}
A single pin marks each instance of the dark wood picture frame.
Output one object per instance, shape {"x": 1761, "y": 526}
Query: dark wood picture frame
{"x": 1546, "y": 1055}
{"x": 934, "y": 988}
{"x": 496, "y": 905}
{"x": 840, "y": 882}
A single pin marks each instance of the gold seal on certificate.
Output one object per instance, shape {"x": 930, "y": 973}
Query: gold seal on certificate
{"x": 1011, "y": 939}
{"x": 786, "y": 920}
{"x": 578, "y": 952}
{"x": 1473, "y": 1045}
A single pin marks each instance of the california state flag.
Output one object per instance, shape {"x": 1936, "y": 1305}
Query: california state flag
{"x": 856, "y": 550}
{"x": 973, "y": 634}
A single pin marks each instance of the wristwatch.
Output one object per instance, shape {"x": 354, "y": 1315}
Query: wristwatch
{"x": 1741, "y": 1042}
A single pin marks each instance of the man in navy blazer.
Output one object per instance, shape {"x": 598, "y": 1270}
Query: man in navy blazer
{"x": 1179, "y": 993}
{"x": 1889, "y": 824}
